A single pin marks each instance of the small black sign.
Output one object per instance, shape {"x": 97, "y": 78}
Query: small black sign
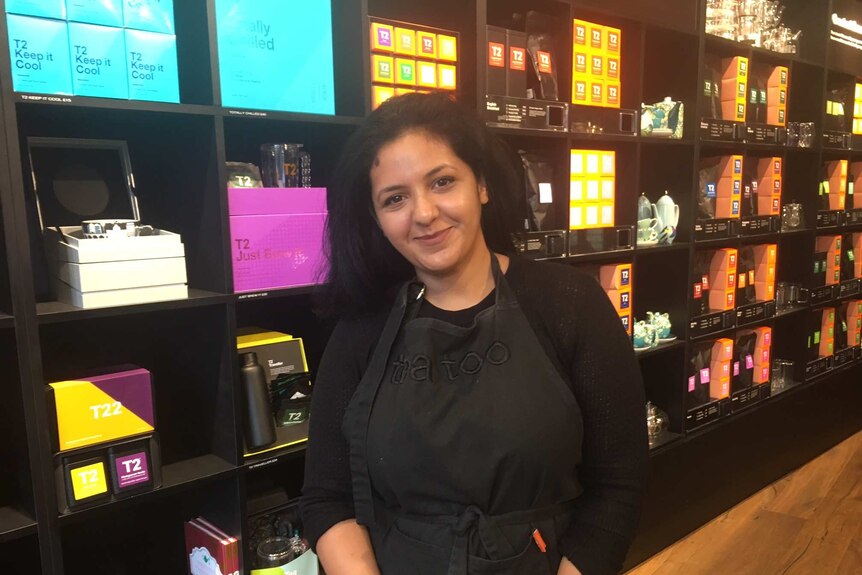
{"x": 721, "y": 130}
{"x": 822, "y": 294}
{"x": 840, "y": 140}
{"x": 758, "y": 225}
{"x": 818, "y": 367}
{"x": 755, "y": 312}
{"x": 844, "y": 356}
{"x": 829, "y": 219}
{"x": 849, "y": 288}
{"x": 705, "y": 230}
{"x": 712, "y": 323}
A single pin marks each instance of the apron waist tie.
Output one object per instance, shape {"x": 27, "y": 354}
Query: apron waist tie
{"x": 487, "y": 527}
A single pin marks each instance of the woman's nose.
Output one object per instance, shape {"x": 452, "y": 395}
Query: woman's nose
{"x": 425, "y": 208}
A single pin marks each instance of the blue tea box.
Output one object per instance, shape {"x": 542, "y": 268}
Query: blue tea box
{"x": 39, "y": 53}
{"x": 152, "y": 66}
{"x": 41, "y": 8}
{"x": 103, "y": 12}
{"x": 98, "y": 61}
{"x": 150, "y": 15}
{"x": 271, "y": 58}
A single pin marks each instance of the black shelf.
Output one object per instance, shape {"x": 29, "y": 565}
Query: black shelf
{"x": 660, "y": 348}
{"x": 665, "y": 141}
{"x": 14, "y": 524}
{"x": 780, "y": 313}
{"x": 596, "y": 256}
{"x": 112, "y": 104}
{"x": 56, "y": 312}
{"x": 770, "y": 238}
{"x": 665, "y": 441}
{"x": 716, "y": 243}
{"x": 674, "y": 247}
{"x": 582, "y": 137}
{"x": 290, "y": 116}
{"x": 531, "y": 132}
{"x": 275, "y": 294}
{"x": 265, "y": 460}
{"x": 6, "y": 321}
{"x": 176, "y": 477}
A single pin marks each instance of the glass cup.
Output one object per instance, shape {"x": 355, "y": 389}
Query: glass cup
{"x": 274, "y": 552}
{"x": 791, "y": 217}
{"x": 806, "y": 134}
{"x": 793, "y": 134}
{"x": 782, "y": 375}
{"x": 280, "y": 165}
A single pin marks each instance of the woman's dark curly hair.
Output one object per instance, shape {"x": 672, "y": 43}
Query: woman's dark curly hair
{"x": 364, "y": 269}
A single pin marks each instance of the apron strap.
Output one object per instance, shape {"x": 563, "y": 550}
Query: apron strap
{"x": 363, "y": 499}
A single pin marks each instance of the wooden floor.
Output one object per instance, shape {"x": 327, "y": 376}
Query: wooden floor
{"x": 808, "y": 523}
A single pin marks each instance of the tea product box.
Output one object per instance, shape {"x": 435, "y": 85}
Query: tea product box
{"x": 98, "y": 61}
{"x": 39, "y": 54}
{"x": 149, "y": 15}
{"x": 152, "y": 66}
{"x": 102, "y": 12}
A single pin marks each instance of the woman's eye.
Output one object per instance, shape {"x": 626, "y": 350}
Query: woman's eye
{"x": 443, "y": 182}
{"x": 393, "y": 200}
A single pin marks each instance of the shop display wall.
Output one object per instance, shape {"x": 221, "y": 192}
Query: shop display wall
{"x": 713, "y": 453}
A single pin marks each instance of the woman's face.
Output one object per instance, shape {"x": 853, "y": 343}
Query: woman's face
{"x": 428, "y": 203}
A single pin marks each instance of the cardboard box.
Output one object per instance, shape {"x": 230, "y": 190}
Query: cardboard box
{"x": 765, "y": 291}
{"x": 447, "y": 48}
{"x": 733, "y": 110}
{"x": 495, "y": 66}
{"x": 426, "y": 45}
{"x": 722, "y": 350}
{"x": 382, "y": 37}
{"x": 380, "y": 94}
{"x": 776, "y": 115}
{"x": 95, "y": 409}
{"x": 724, "y": 260}
{"x": 42, "y": 8}
{"x": 101, "y": 12}
{"x": 612, "y": 95}
{"x": 837, "y": 201}
{"x": 597, "y": 92}
{"x": 726, "y": 208}
{"x": 382, "y": 69}
{"x": 616, "y": 277}
{"x": 158, "y": 15}
{"x": 277, "y": 353}
{"x": 721, "y": 300}
{"x": 405, "y": 41}
{"x": 769, "y": 205}
{"x": 446, "y": 77}
{"x": 730, "y": 167}
{"x": 769, "y": 168}
{"x": 733, "y": 89}
{"x": 729, "y": 187}
{"x": 119, "y": 275}
{"x": 580, "y": 31}
{"x": 152, "y": 66}
{"x": 736, "y": 67}
{"x": 719, "y": 388}
{"x": 516, "y": 69}
{"x": 777, "y": 97}
{"x": 276, "y": 237}
{"x": 426, "y": 75}
{"x": 248, "y": 32}
{"x": 621, "y": 300}
{"x": 765, "y": 254}
{"x": 39, "y": 53}
{"x": 778, "y": 77}
{"x": 405, "y": 71}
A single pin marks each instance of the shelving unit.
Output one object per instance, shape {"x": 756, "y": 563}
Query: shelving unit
{"x": 178, "y": 153}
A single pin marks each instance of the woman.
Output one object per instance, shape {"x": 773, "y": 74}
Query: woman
{"x": 473, "y": 412}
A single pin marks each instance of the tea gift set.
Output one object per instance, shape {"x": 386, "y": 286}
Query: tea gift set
{"x": 657, "y": 222}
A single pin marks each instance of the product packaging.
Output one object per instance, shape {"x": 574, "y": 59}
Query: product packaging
{"x": 39, "y": 54}
{"x": 41, "y": 8}
{"x": 152, "y": 66}
{"x": 269, "y": 62}
{"x": 101, "y": 12}
{"x": 98, "y": 61}
{"x": 149, "y": 15}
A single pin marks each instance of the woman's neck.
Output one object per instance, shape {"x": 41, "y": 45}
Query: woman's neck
{"x": 466, "y": 286}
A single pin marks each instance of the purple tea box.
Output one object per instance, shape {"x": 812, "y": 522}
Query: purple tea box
{"x": 101, "y": 408}
{"x": 277, "y": 237}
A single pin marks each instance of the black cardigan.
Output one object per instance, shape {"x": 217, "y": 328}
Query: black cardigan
{"x": 577, "y": 325}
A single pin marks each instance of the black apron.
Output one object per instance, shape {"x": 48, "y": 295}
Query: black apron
{"x": 463, "y": 444}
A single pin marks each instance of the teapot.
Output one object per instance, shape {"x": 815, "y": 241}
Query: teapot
{"x": 667, "y": 211}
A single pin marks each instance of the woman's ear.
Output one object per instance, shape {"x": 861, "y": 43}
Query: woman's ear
{"x": 483, "y": 192}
